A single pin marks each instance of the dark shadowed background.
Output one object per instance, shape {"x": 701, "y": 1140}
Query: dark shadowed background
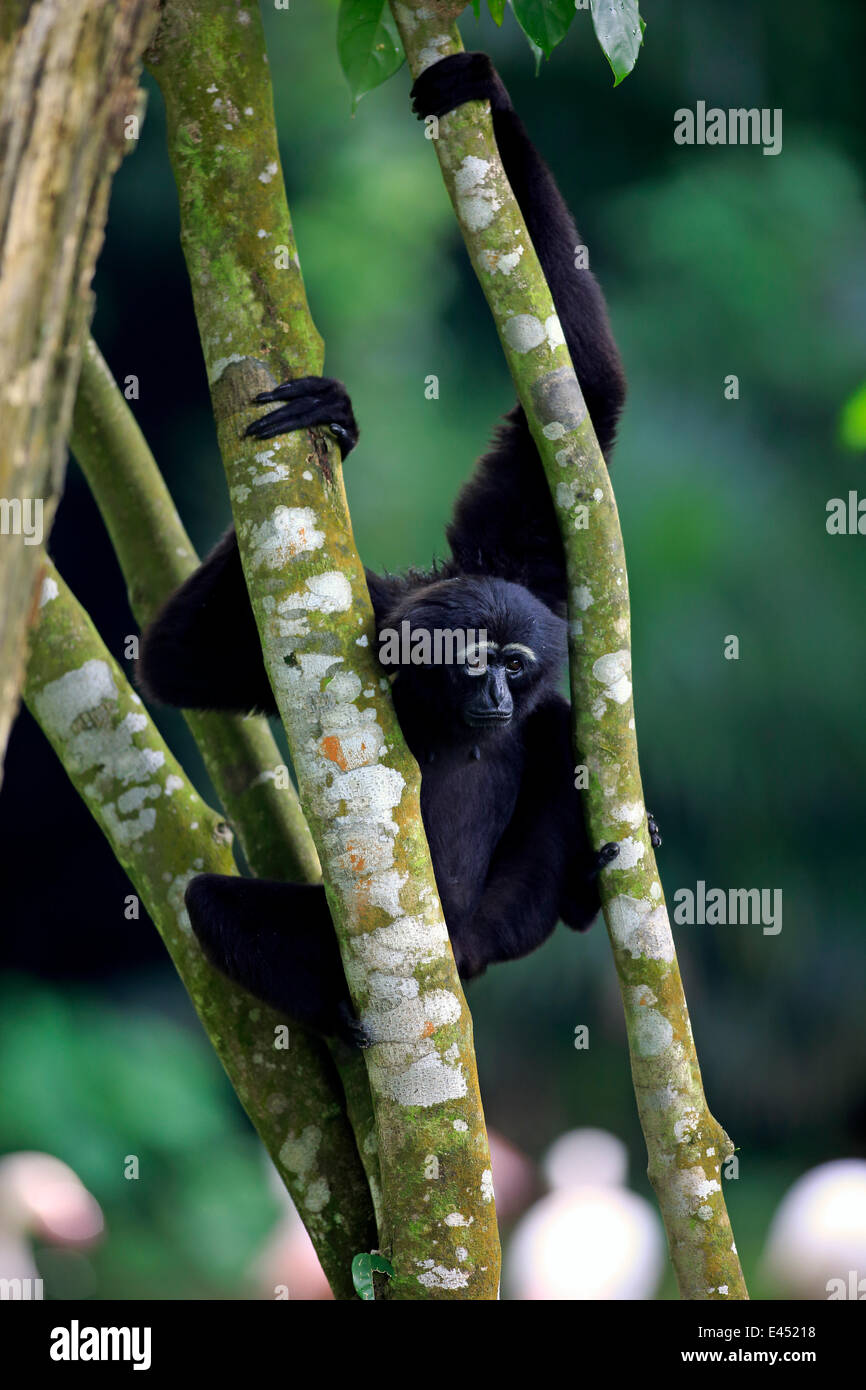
{"x": 715, "y": 261}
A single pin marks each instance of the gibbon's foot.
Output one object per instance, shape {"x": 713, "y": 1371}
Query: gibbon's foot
{"x": 605, "y": 856}
{"x": 310, "y": 400}
{"x": 351, "y": 1029}
{"x": 452, "y": 81}
{"x": 654, "y": 832}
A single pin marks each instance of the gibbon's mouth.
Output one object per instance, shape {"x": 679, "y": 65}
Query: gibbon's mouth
{"x": 482, "y": 721}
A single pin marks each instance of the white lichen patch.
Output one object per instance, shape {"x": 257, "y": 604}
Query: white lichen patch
{"x": 612, "y": 672}
{"x": 476, "y": 205}
{"x": 173, "y": 783}
{"x": 136, "y": 797}
{"x": 631, "y": 852}
{"x": 501, "y": 262}
{"x": 299, "y": 1152}
{"x": 652, "y": 1034}
{"x": 628, "y": 812}
{"x": 663, "y": 1098}
{"x": 130, "y": 829}
{"x": 487, "y": 1185}
{"x": 401, "y": 946}
{"x": 439, "y": 1277}
{"x": 239, "y": 493}
{"x": 555, "y": 430}
{"x": 553, "y": 331}
{"x": 330, "y": 592}
{"x": 177, "y": 887}
{"x": 385, "y": 892}
{"x": 687, "y": 1127}
{"x": 317, "y": 1196}
{"x": 691, "y": 1188}
{"x": 268, "y": 172}
{"x": 461, "y": 1126}
{"x": 62, "y": 702}
{"x": 80, "y": 710}
{"x": 454, "y": 1218}
{"x": 286, "y": 533}
{"x": 277, "y": 473}
{"x": 48, "y": 591}
{"x": 399, "y": 1009}
{"x": 522, "y": 333}
{"x": 581, "y": 597}
{"x": 427, "y": 1080}
{"x": 640, "y": 927}
{"x": 434, "y": 49}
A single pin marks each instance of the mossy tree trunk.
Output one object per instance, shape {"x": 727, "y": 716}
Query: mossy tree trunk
{"x": 163, "y": 834}
{"x": 240, "y": 754}
{"x": 358, "y": 784}
{"x": 685, "y": 1144}
{"x": 69, "y": 98}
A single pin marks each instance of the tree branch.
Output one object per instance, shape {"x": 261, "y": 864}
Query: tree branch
{"x": 69, "y": 73}
{"x": 686, "y": 1145}
{"x": 359, "y": 786}
{"x": 156, "y": 556}
{"x": 241, "y": 756}
{"x": 164, "y": 834}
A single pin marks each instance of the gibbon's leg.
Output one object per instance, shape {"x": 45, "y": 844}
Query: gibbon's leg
{"x": 276, "y": 940}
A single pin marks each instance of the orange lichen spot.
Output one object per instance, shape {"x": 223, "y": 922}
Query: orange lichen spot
{"x": 333, "y": 750}
{"x": 356, "y": 860}
{"x": 428, "y": 1029}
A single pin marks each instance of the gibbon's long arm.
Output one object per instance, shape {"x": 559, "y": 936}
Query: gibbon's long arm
{"x": 504, "y": 521}
{"x": 202, "y": 650}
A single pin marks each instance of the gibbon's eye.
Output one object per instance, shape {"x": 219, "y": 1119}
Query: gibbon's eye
{"x": 514, "y": 665}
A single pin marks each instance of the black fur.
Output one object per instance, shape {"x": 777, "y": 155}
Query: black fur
{"x": 503, "y": 820}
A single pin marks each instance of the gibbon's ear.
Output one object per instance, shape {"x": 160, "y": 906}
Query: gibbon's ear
{"x": 277, "y": 941}
{"x": 202, "y": 651}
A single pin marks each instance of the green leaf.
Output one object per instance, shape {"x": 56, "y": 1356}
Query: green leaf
{"x": 497, "y": 10}
{"x": 852, "y": 422}
{"x": 619, "y": 29}
{"x": 362, "y": 1274}
{"x": 544, "y": 22}
{"x": 476, "y": 5}
{"x": 368, "y": 45}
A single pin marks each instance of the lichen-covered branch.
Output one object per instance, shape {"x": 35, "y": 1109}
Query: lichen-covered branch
{"x": 156, "y": 556}
{"x": 69, "y": 72}
{"x": 686, "y": 1146}
{"x": 359, "y": 786}
{"x": 163, "y": 834}
{"x": 241, "y": 755}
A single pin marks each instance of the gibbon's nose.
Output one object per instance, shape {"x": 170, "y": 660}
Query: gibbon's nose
{"x": 493, "y": 703}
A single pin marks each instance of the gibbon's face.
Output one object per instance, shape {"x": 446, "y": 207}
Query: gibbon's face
{"x": 477, "y": 652}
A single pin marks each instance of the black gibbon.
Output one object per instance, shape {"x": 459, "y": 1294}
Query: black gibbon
{"x": 503, "y": 819}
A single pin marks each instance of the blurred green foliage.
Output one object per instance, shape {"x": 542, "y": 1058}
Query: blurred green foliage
{"x": 715, "y": 261}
